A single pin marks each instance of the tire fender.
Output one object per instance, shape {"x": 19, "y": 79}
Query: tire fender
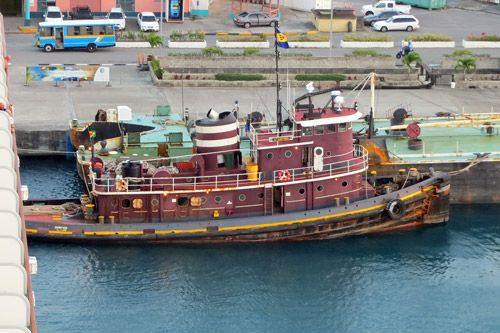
{"x": 395, "y": 209}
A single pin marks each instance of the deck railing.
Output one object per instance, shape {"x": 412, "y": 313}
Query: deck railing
{"x": 357, "y": 164}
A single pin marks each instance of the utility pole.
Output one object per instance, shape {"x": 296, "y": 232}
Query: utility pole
{"x": 331, "y": 27}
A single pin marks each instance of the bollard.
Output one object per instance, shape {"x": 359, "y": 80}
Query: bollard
{"x": 346, "y": 200}
{"x": 101, "y": 219}
{"x": 111, "y": 220}
{"x": 337, "y": 202}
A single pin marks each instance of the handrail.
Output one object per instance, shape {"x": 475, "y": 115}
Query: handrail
{"x": 357, "y": 164}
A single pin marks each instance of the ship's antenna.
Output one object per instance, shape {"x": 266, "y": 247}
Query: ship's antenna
{"x": 277, "y": 55}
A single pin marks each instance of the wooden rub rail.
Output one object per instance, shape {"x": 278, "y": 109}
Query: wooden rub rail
{"x": 16, "y": 296}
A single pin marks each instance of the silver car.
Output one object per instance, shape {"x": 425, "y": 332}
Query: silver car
{"x": 249, "y": 19}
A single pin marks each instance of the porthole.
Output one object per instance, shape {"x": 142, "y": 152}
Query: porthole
{"x": 318, "y": 152}
{"x": 242, "y": 197}
{"x": 114, "y": 202}
{"x": 155, "y": 202}
{"x": 218, "y": 199}
{"x": 126, "y": 203}
{"x": 260, "y": 195}
{"x": 320, "y": 188}
{"x": 269, "y": 156}
{"x": 328, "y": 153}
{"x": 344, "y": 184}
{"x": 183, "y": 201}
{"x": 288, "y": 153}
{"x": 302, "y": 191}
{"x": 203, "y": 200}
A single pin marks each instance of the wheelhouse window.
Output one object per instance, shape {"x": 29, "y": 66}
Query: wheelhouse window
{"x": 331, "y": 128}
{"x": 307, "y": 131}
{"x": 319, "y": 130}
{"x": 342, "y": 127}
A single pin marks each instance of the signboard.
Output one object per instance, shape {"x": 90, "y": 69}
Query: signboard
{"x": 281, "y": 138}
{"x": 67, "y": 73}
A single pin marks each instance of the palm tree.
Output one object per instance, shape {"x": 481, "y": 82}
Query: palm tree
{"x": 410, "y": 58}
{"x": 467, "y": 64}
{"x": 154, "y": 40}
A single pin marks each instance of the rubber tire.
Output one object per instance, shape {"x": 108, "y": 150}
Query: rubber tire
{"x": 272, "y": 24}
{"x": 368, "y": 13}
{"x": 398, "y": 56}
{"x": 395, "y": 209}
{"x": 409, "y": 28}
{"x": 247, "y": 25}
{"x": 48, "y": 48}
{"x": 383, "y": 29}
{"x": 91, "y": 47}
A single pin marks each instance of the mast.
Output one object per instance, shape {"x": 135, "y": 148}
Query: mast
{"x": 277, "y": 55}
{"x": 371, "y": 124}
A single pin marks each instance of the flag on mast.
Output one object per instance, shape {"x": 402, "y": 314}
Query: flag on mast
{"x": 282, "y": 40}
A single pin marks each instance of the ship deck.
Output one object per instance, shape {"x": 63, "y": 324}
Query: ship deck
{"x": 442, "y": 140}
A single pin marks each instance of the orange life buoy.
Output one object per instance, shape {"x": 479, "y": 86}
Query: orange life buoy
{"x": 121, "y": 185}
{"x": 284, "y": 175}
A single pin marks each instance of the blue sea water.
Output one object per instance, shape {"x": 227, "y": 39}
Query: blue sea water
{"x": 438, "y": 279}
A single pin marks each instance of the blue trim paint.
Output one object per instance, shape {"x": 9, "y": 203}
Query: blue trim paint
{"x": 199, "y": 12}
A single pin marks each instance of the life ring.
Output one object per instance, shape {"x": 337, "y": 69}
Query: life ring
{"x": 121, "y": 185}
{"x": 395, "y": 209}
{"x": 284, "y": 175}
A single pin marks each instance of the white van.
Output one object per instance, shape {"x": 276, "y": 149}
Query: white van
{"x": 53, "y": 14}
{"x": 117, "y": 16}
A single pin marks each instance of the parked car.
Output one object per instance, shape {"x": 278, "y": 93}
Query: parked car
{"x": 383, "y": 5}
{"x": 81, "y": 13}
{"x": 382, "y": 16}
{"x": 249, "y": 19}
{"x": 117, "y": 16}
{"x": 398, "y": 22}
{"x": 53, "y": 14}
{"x": 147, "y": 21}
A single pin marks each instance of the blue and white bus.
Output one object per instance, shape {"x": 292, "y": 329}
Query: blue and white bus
{"x": 90, "y": 34}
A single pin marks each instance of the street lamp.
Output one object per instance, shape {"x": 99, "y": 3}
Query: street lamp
{"x": 331, "y": 27}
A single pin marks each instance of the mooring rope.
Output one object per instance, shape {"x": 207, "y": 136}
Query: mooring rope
{"x": 472, "y": 163}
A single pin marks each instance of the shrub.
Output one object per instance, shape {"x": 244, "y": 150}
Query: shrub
{"x": 179, "y": 36}
{"x": 485, "y": 38}
{"x": 155, "y": 63}
{"x": 141, "y": 35}
{"x": 429, "y": 38}
{"x": 130, "y": 35}
{"x": 238, "y": 77}
{"x": 154, "y": 40}
{"x": 462, "y": 53}
{"x": 251, "y": 51}
{"x": 212, "y": 51}
{"x": 365, "y": 53}
{"x": 367, "y": 38}
{"x": 308, "y": 38}
{"x": 320, "y": 77}
{"x": 242, "y": 38}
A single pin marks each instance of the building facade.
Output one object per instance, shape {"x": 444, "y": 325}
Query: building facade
{"x": 131, "y": 7}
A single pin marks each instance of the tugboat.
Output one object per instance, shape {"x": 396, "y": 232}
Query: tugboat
{"x": 304, "y": 179}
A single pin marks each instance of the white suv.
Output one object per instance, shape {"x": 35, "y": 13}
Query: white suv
{"x": 398, "y": 22}
{"x": 147, "y": 21}
{"x": 53, "y": 14}
{"x": 117, "y": 16}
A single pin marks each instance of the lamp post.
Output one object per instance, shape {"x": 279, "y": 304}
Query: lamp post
{"x": 161, "y": 27}
{"x": 331, "y": 27}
